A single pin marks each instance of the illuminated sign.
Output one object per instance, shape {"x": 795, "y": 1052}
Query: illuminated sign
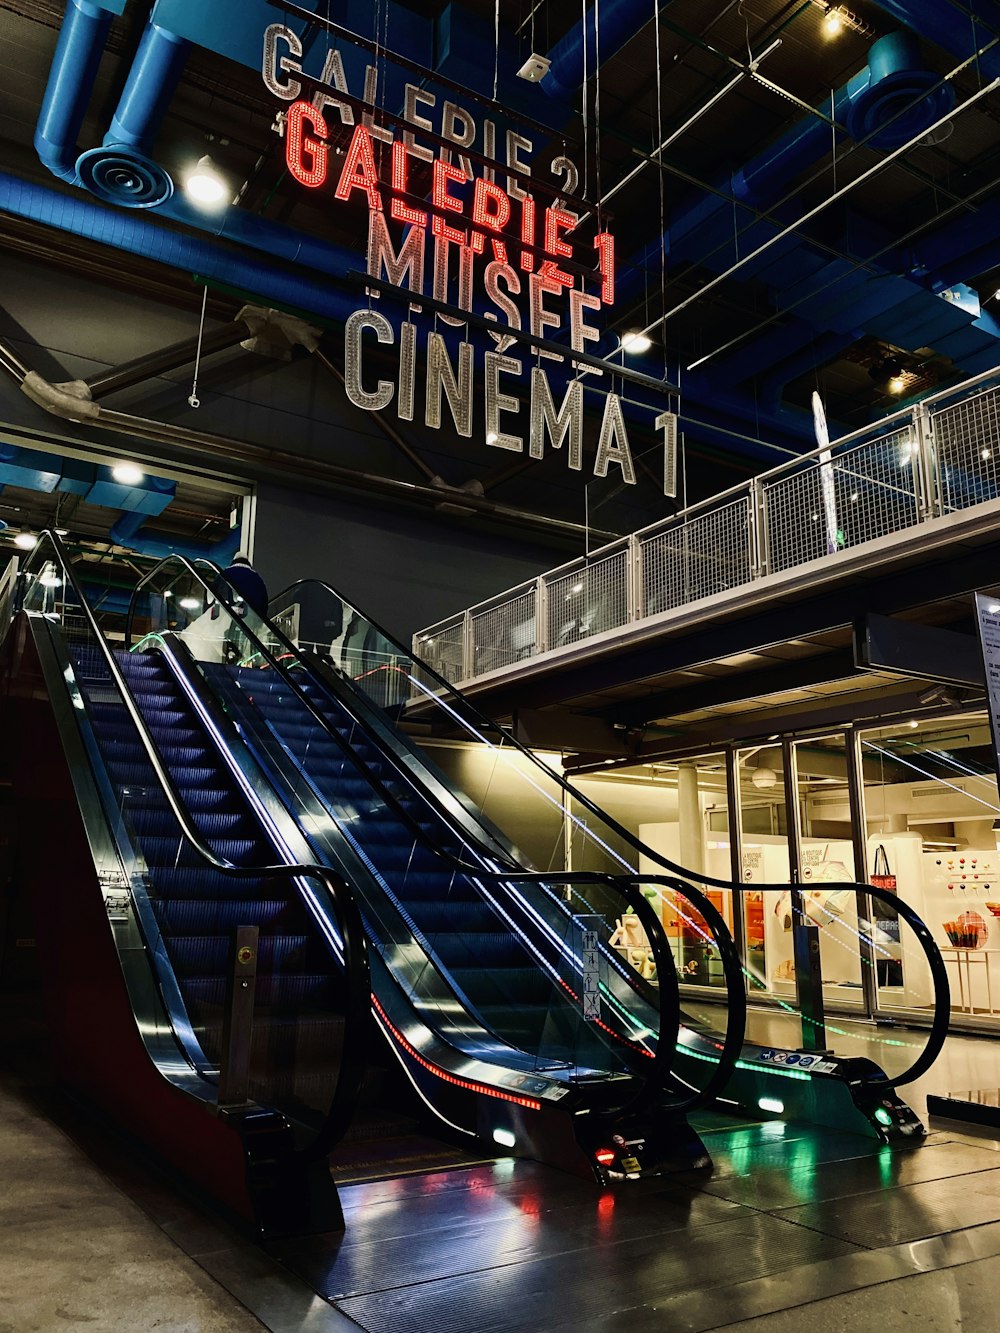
{"x": 494, "y": 234}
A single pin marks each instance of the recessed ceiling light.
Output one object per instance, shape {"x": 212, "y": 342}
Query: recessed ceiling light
{"x": 127, "y": 474}
{"x": 204, "y": 185}
{"x": 636, "y": 342}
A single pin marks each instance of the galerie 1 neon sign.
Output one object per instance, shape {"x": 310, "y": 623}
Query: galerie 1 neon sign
{"x": 480, "y": 231}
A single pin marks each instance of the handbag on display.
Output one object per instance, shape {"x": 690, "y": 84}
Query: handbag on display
{"x": 883, "y": 878}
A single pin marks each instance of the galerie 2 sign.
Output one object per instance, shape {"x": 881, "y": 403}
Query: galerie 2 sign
{"x": 499, "y": 238}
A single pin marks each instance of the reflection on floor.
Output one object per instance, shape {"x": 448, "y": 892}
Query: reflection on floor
{"x": 794, "y": 1227}
{"x": 790, "y": 1217}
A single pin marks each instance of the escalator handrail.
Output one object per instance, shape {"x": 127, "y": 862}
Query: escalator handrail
{"x": 699, "y": 901}
{"x": 649, "y": 918}
{"x": 497, "y": 853}
{"x": 355, "y": 960}
{"x": 941, "y": 1016}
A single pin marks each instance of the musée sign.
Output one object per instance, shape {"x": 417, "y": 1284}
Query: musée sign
{"x": 500, "y": 237}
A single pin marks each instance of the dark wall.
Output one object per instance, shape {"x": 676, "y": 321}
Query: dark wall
{"x": 404, "y": 570}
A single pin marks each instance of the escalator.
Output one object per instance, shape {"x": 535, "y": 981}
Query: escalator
{"x": 499, "y": 991}
{"x": 181, "y": 827}
{"x": 336, "y": 687}
{"x": 142, "y": 855}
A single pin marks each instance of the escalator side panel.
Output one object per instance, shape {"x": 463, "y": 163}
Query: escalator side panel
{"x": 97, "y": 1046}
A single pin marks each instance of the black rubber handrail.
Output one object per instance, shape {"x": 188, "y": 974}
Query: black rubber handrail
{"x": 731, "y": 962}
{"x": 699, "y": 901}
{"x": 354, "y": 942}
{"x": 277, "y": 663}
{"x": 941, "y": 1016}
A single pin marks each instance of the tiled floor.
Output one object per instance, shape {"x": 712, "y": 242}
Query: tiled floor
{"x": 794, "y": 1227}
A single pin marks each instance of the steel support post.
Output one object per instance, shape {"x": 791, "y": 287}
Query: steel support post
{"x": 805, "y": 937}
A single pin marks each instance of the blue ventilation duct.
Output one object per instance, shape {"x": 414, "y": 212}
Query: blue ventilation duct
{"x": 576, "y": 52}
{"x": 75, "y": 64}
{"x": 35, "y": 470}
{"x": 127, "y": 532}
{"x": 116, "y": 173}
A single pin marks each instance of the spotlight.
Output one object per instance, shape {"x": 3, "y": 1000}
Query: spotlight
{"x": 204, "y": 185}
{"x": 127, "y": 474}
{"x": 833, "y": 22}
{"x": 886, "y": 371}
{"x": 635, "y": 342}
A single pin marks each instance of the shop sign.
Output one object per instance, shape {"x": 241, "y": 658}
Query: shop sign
{"x": 500, "y": 244}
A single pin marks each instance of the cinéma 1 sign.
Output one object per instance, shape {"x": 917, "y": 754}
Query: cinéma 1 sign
{"x": 495, "y": 236}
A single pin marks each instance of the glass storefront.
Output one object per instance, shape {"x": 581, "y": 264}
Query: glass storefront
{"x": 911, "y": 806}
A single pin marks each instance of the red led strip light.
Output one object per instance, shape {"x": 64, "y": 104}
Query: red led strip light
{"x": 481, "y": 1088}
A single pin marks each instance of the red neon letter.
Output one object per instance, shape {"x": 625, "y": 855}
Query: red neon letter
{"x": 308, "y": 170}
{"x": 527, "y": 233}
{"x": 443, "y": 173}
{"x": 397, "y": 209}
{"x": 604, "y": 244}
{"x": 359, "y": 169}
{"x": 495, "y": 218}
{"x": 557, "y": 220}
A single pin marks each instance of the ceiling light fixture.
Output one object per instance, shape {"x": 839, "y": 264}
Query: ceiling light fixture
{"x": 636, "y": 342}
{"x": 764, "y": 778}
{"x": 897, "y": 384}
{"x": 833, "y": 22}
{"x": 534, "y": 68}
{"x": 27, "y": 541}
{"x": 204, "y": 185}
{"x": 127, "y": 474}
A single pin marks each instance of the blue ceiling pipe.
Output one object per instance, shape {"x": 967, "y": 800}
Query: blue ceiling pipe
{"x": 127, "y": 532}
{"x": 576, "y": 51}
{"x": 891, "y": 78}
{"x": 74, "y": 69}
{"x": 961, "y": 31}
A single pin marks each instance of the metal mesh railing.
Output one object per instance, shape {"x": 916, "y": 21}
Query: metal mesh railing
{"x": 967, "y": 451}
{"x": 923, "y": 464}
{"x": 588, "y": 599}
{"x": 443, "y": 648}
{"x": 504, "y": 633}
{"x": 695, "y": 558}
{"x": 857, "y": 496}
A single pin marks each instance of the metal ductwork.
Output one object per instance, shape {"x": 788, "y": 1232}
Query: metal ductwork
{"x": 120, "y": 171}
{"x": 840, "y": 300}
{"x": 892, "y": 77}
{"x": 575, "y": 54}
{"x": 128, "y": 534}
{"x": 34, "y": 470}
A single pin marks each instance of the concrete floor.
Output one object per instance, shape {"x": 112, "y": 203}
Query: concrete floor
{"x": 92, "y": 1239}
